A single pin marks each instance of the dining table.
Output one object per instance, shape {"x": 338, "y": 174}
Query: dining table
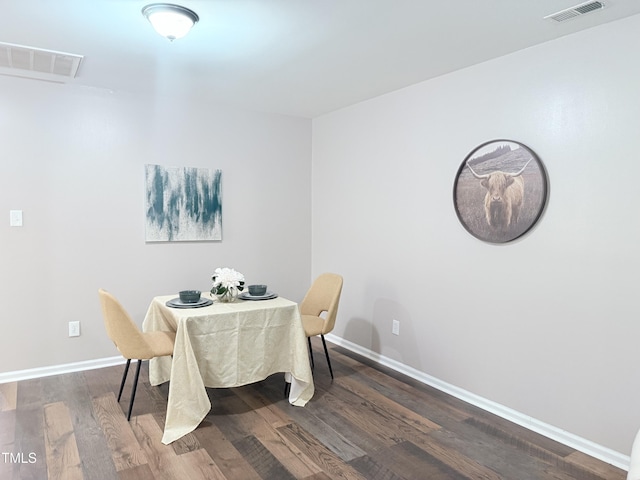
{"x": 223, "y": 345}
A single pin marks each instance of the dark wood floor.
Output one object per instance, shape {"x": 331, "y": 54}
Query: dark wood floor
{"x": 369, "y": 423}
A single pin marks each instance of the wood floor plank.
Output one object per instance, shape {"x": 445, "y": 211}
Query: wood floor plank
{"x": 29, "y": 431}
{"x": 186, "y": 444}
{"x": 500, "y": 426}
{"x": 228, "y": 459}
{"x": 227, "y": 423}
{"x": 7, "y": 437}
{"x": 324, "y": 410}
{"x": 286, "y": 452}
{"x": 198, "y": 465}
{"x": 123, "y": 445}
{"x": 364, "y": 414}
{"x": 602, "y": 469}
{"x": 7, "y": 430}
{"x": 510, "y": 437}
{"x": 262, "y": 461}
{"x": 73, "y": 390}
{"x": 8, "y": 396}
{"x": 252, "y": 423}
{"x": 330, "y": 463}
{"x": 140, "y": 472}
{"x": 63, "y": 459}
{"x": 6, "y": 468}
{"x": 30, "y": 394}
{"x": 388, "y": 405}
{"x": 407, "y": 461}
{"x": 319, "y": 476}
{"x": 408, "y": 426}
{"x": 330, "y": 437}
{"x": 456, "y": 460}
{"x": 160, "y": 458}
{"x": 439, "y": 408}
{"x": 372, "y": 468}
{"x": 253, "y": 396}
{"x": 506, "y": 460}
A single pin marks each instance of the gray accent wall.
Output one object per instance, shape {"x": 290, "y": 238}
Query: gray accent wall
{"x": 548, "y": 325}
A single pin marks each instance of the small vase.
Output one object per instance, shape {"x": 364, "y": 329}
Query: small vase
{"x": 228, "y": 296}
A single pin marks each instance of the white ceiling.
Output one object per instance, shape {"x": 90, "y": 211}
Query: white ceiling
{"x": 297, "y": 57}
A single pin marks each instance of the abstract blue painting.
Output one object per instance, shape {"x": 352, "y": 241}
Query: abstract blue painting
{"x": 183, "y": 204}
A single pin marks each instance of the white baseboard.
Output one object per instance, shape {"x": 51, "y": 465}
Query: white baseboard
{"x": 581, "y": 444}
{"x": 59, "y": 369}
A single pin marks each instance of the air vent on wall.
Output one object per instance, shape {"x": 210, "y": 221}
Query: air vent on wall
{"x": 37, "y": 63}
{"x": 575, "y": 11}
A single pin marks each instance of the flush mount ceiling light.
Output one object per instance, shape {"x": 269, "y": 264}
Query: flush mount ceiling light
{"x": 170, "y": 21}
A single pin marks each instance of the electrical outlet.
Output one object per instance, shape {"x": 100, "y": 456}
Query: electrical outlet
{"x": 74, "y": 329}
{"x": 395, "y": 327}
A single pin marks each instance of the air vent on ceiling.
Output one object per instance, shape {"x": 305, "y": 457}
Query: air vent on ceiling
{"x": 576, "y": 11}
{"x": 37, "y": 63}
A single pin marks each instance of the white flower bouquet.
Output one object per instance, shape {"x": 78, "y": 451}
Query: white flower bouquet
{"x": 227, "y": 284}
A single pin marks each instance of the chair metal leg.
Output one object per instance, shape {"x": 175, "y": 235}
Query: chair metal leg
{"x": 326, "y": 352}
{"x": 124, "y": 378}
{"x": 287, "y": 389}
{"x": 310, "y": 352}
{"x": 133, "y": 391}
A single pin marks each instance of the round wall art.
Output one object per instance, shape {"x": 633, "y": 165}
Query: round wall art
{"x": 500, "y": 191}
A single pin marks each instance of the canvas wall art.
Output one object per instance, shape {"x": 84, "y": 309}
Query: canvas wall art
{"x": 500, "y": 191}
{"x": 183, "y": 204}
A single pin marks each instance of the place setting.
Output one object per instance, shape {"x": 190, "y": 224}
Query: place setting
{"x": 257, "y": 292}
{"x": 189, "y": 299}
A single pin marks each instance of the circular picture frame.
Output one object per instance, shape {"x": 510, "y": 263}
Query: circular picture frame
{"x": 500, "y": 191}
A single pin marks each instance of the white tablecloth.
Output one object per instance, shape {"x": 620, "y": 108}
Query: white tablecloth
{"x": 226, "y": 345}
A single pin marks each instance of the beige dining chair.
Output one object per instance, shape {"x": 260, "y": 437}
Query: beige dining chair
{"x": 319, "y": 309}
{"x": 130, "y": 341}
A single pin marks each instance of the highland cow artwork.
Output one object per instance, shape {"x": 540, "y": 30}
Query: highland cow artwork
{"x": 182, "y": 204}
{"x": 500, "y": 191}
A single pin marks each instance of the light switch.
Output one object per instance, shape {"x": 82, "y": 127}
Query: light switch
{"x": 15, "y": 218}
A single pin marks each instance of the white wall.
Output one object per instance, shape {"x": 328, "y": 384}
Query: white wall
{"x": 73, "y": 160}
{"x": 547, "y": 325}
